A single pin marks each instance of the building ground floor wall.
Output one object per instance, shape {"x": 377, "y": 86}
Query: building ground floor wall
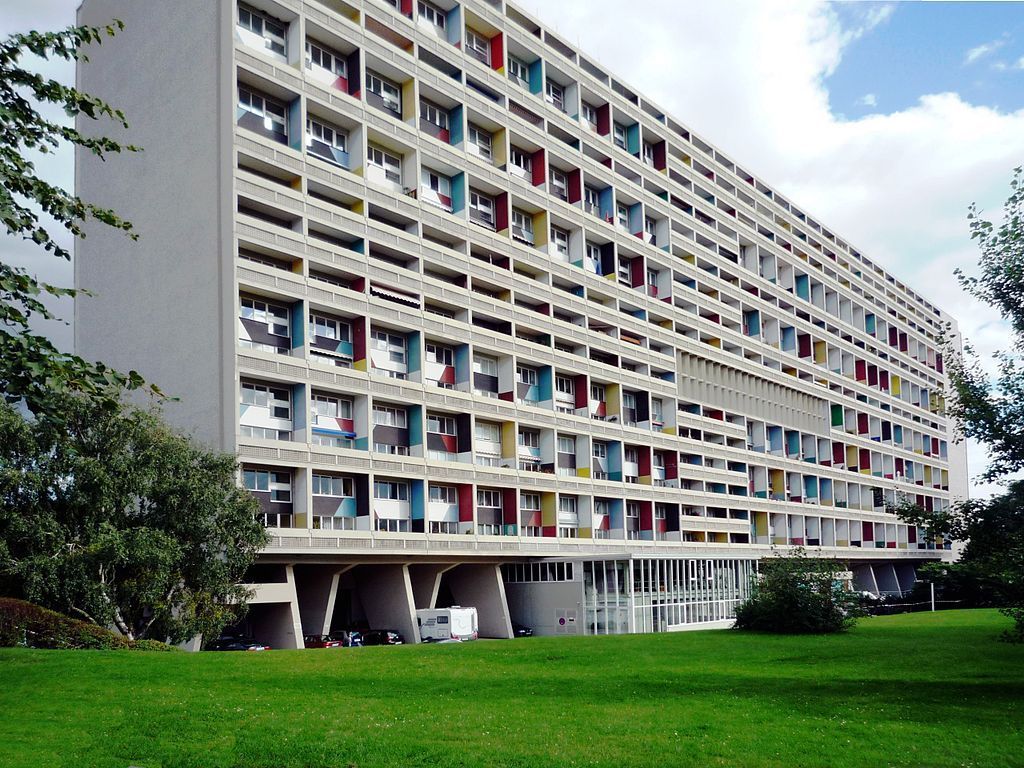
{"x": 296, "y": 595}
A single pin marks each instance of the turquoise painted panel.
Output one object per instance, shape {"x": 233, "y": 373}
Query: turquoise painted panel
{"x": 616, "y": 514}
{"x": 418, "y": 499}
{"x": 414, "y": 414}
{"x": 298, "y": 324}
{"x": 453, "y": 24}
{"x": 545, "y": 384}
{"x": 455, "y": 134}
{"x": 536, "y": 77}
{"x": 803, "y": 287}
{"x": 415, "y": 353}
{"x": 633, "y": 139}
{"x": 869, "y": 323}
{"x": 752, "y": 322}
{"x": 463, "y": 367}
{"x": 458, "y": 192}
{"x": 606, "y": 203}
{"x": 300, "y": 408}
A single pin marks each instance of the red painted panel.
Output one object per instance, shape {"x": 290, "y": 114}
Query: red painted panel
{"x": 359, "y": 338}
{"x": 912, "y": 534}
{"x": 538, "y": 168}
{"x": 575, "y": 185}
{"x": 497, "y": 51}
{"x": 671, "y": 465}
{"x": 637, "y": 273}
{"x": 467, "y": 496}
{"x": 803, "y": 345}
{"x": 862, "y": 423}
{"x": 501, "y": 211}
{"x": 646, "y": 516}
{"x": 872, "y": 375}
{"x": 838, "y": 453}
{"x": 883, "y": 381}
{"x": 582, "y": 389}
{"x": 644, "y": 463}
{"x": 864, "y": 458}
{"x": 660, "y": 156}
{"x": 904, "y": 342}
{"x": 509, "y": 506}
{"x": 860, "y": 369}
{"x": 868, "y": 531}
{"x": 604, "y": 119}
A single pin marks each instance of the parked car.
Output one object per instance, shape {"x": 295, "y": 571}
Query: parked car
{"x": 349, "y": 638}
{"x": 233, "y": 643}
{"x": 321, "y": 641}
{"x": 518, "y": 630}
{"x": 382, "y": 637}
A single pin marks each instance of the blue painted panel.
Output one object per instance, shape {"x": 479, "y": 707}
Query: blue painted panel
{"x": 414, "y": 351}
{"x": 616, "y": 514}
{"x": 633, "y": 139}
{"x": 463, "y": 367}
{"x": 418, "y": 499}
{"x": 298, "y": 324}
{"x": 545, "y": 382}
{"x": 803, "y": 287}
{"x": 453, "y": 24}
{"x": 615, "y": 461}
{"x": 458, "y": 191}
{"x": 300, "y": 407}
{"x": 455, "y": 134}
{"x": 606, "y": 203}
{"x": 752, "y": 321}
{"x": 636, "y": 218}
{"x": 414, "y": 416}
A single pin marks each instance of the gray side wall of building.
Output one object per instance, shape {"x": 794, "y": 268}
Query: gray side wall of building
{"x": 163, "y": 305}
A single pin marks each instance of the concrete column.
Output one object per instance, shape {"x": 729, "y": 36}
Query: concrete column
{"x": 426, "y": 581}
{"x": 864, "y": 579}
{"x": 316, "y": 587}
{"x": 275, "y": 613}
{"x": 885, "y": 577}
{"x": 385, "y": 592}
{"x": 906, "y": 575}
{"x": 481, "y": 586}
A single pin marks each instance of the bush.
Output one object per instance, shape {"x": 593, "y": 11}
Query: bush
{"x": 22, "y": 623}
{"x": 798, "y": 595}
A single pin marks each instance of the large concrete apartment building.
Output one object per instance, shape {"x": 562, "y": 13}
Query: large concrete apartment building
{"x": 486, "y": 326}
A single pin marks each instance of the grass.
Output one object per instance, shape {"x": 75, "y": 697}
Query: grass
{"x": 916, "y": 690}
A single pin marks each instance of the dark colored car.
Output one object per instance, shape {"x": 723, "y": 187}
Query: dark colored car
{"x": 349, "y": 638}
{"x": 321, "y": 641}
{"x": 232, "y": 643}
{"x": 518, "y": 630}
{"x": 382, "y": 637}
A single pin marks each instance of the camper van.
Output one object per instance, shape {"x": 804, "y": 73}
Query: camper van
{"x": 455, "y": 623}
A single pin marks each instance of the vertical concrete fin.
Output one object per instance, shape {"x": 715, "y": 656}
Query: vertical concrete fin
{"x": 481, "y": 586}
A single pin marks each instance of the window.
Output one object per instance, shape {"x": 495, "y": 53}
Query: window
{"x": 650, "y": 231}
{"x": 391, "y": 525}
{"x": 488, "y": 499}
{"x": 600, "y": 450}
{"x": 277, "y": 484}
{"x": 391, "y": 343}
{"x": 567, "y": 505}
{"x": 334, "y": 138}
{"x": 479, "y": 141}
{"x": 622, "y": 216}
{"x": 386, "y": 416}
{"x": 270, "y": 29}
{"x": 625, "y": 270}
{"x": 275, "y": 318}
{"x": 328, "y": 485}
{"x": 273, "y": 112}
{"x": 521, "y": 160}
{"x": 487, "y": 366}
{"x": 555, "y": 95}
{"x": 440, "y": 425}
{"x": 389, "y": 490}
{"x": 657, "y": 411}
{"x": 593, "y": 257}
{"x": 324, "y": 59}
{"x": 481, "y": 209}
{"x": 632, "y": 510}
{"x": 438, "y": 354}
{"x": 565, "y": 385}
{"x": 443, "y": 494}
{"x": 390, "y": 164}
{"x": 589, "y": 114}
{"x": 597, "y": 392}
{"x": 487, "y": 432}
{"x": 560, "y": 241}
{"x": 478, "y": 46}
{"x": 559, "y": 184}
{"x": 431, "y": 14}
{"x": 275, "y": 399}
{"x": 529, "y": 502}
{"x": 522, "y": 226}
{"x": 329, "y": 407}
{"x": 391, "y": 449}
{"x": 328, "y": 327}
{"x": 433, "y": 114}
{"x": 591, "y": 201}
{"x": 527, "y": 376}
{"x": 619, "y": 135}
{"x": 388, "y": 91}
{"x": 567, "y": 445}
{"x": 631, "y": 455}
{"x": 648, "y": 154}
{"x": 323, "y": 523}
{"x": 529, "y": 438}
{"x": 518, "y": 71}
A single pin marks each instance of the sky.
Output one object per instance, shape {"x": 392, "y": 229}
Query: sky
{"x": 883, "y": 120}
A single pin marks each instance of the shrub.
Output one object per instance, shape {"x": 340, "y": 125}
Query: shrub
{"x": 22, "y": 623}
{"x": 145, "y": 644}
{"x": 798, "y": 595}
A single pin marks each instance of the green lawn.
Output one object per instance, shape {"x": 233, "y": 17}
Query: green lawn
{"x": 919, "y": 690}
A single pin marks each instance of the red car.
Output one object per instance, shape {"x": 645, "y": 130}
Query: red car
{"x": 321, "y": 641}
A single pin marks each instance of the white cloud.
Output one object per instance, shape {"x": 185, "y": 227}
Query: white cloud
{"x": 983, "y": 50}
{"x": 1019, "y": 64}
{"x": 868, "y": 100}
{"x": 750, "y": 77}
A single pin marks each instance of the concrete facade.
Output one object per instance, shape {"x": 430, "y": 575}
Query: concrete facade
{"x": 462, "y": 301}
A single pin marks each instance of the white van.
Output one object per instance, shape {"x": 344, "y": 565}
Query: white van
{"x": 455, "y": 623}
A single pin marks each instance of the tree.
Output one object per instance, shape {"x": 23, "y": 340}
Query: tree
{"x": 991, "y": 411}
{"x": 108, "y": 515}
{"x": 32, "y": 369}
{"x": 797, "y": 594}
